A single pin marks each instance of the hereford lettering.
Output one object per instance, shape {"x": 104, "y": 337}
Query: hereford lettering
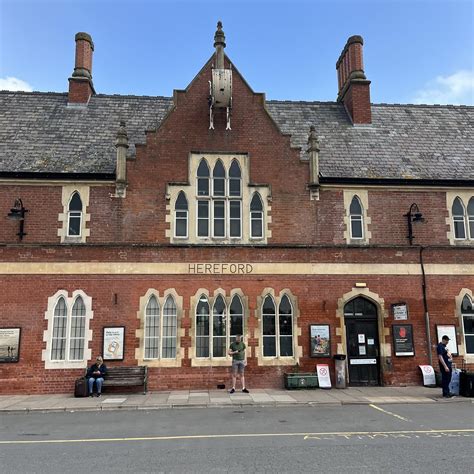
{"x": 220, "y": 268}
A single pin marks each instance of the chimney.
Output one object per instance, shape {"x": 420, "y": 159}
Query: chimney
{"x": 354, "y": 88}
{"x": 121, "y": 144}
{"x": 219, "y": 44}
{"x": 80, "y": 83}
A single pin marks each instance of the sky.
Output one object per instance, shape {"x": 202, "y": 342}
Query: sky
{"x": 415, "y": 51}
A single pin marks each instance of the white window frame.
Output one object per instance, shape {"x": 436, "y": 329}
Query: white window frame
{"x": 161, "y": 337}
{"x": 176, "y": 218}
{"x": 470, "y": 219}
{"x": 233, "y": 219}
{"x": 261, "y": 214}
{"x": 458, "y": 218}
{"x": 74, "y": 214}
{"x": 466, "y": 315}
{"x": 67, "y": 362}
{"x": 356, "y": 218}
{"x": 276, "y": 303}
{"x": 208, "y": 218}
{"x": 228, "y": 336}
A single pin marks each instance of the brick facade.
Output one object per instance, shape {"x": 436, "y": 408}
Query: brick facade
{"x": 132, "y": 230}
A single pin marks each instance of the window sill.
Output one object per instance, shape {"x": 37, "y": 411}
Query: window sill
{"x": 65, "y": 364}
{"x": 221, "y": 362}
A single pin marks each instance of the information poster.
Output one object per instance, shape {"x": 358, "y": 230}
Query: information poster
{"x": 450, "y": 331}
{"x": 320, "y": 340}
{"x": 9, "y": 344}
{"x": 400, "y": 311}
{"x": 403, "y": 340}
{"x": 113, "y": 343}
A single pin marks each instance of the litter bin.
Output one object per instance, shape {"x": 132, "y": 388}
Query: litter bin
{"x": 340, "y": 370}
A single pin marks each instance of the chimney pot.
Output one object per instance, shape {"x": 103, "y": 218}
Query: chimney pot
{"x": 80, "y": 82}
{"x": 354, "y": 88}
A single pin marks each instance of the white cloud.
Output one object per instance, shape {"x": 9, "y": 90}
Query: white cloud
{"x": 458, "y": 88}
{"x": 14, "y": 84}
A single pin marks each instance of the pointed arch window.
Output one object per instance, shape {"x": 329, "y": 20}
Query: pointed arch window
{"x": 235, "y": 180}
{"x": 219, "y": 328}
{"x": 269, "y": 327}
{"x": 202, "y": 327}
{"x": 203, "y": 178}
{"x": 256, "y": 217}
{"x": 218, "y": 179}
{"x": 181, "y": 216}
{"x": 467, "y": 312}
{"x": 217, "y": 325}
{"x": 170, "y": 328}
{"x": 59, "y": 340}
{"x": 78, "y": 325}
{"x": 285, "y": 315}
{"x": 356, "y": 219}
{"x": 74, "y": 216}
{"x": 470, "y": 217}
{"x": 152, "y": 329}
{"x": 459, "y": 219}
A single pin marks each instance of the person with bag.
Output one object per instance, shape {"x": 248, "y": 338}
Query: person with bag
{"x": 96, "y": 373}
{"x": 445, "y": 366}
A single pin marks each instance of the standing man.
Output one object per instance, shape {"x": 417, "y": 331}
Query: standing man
{"x": 237, "y": 351}
{"x": 445, "y": 366}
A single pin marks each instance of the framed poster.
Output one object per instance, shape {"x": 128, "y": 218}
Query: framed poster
{"x": 113, "y": 347}
{"x": 320, "y": 340}
{"x": 403, "y": 340}
{"x": 450, "y": 331}
{"x": 10, "y": 344}
{"x": 400, "y": 311}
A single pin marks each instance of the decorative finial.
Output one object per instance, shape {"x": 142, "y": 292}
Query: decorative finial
{"x": 122, "y": 137}
{"x": 313, "y": 141}
{"x": 219, "y": 37}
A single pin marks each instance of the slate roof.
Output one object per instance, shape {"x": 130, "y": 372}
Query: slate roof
{"x": 40, "y": 133}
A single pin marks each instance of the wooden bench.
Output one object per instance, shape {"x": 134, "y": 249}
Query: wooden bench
{"x": 127, "y": 377}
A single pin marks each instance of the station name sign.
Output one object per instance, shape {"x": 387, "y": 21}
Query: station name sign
{"x": 220, "y": 268}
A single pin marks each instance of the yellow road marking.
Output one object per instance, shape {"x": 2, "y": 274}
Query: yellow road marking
{"x": 241, "y": 435}
{"x": 388, "y": 412}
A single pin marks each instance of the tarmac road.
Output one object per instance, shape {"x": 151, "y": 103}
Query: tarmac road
{"x": 360, "y": 438}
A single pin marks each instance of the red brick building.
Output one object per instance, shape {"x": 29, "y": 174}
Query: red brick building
{"x": 188, "y": 220}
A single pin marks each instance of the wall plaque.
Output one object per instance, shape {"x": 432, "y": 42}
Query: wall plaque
{"x": 400, "y": 311}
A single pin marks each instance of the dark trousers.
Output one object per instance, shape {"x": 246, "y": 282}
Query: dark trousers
{"x": 445, "y": 380}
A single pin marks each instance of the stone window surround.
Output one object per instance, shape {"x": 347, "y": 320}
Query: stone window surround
{"x": 468, "y": 358}
{"x": 465, "y": 196}
{"x": 297, "y": 349}
{"x": 190, "y": 190}
{"x": 383, "y": 332}
{"x": 362, "y": 194}
{"x": 67, "y": 192}
{"x": 48, "y": 333}
{"x": 216, "y": 361}
{"x": 140, "y": 332}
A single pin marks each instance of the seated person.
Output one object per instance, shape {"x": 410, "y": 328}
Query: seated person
{"x": 96, "y": 373}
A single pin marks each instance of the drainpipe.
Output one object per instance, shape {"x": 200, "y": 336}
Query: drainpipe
{"x": 425, "y": 305}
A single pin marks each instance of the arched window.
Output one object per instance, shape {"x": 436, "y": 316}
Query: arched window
{"x": 202, "y": 327}
{"x": 59, "y": 339}
{"x": 467, "y": 312}
{"x": 218, "y": 179}
{"x": 459, "y": 219}
{"x": 236, "y": 318}
{"x": 170, "y": 329}
{"x": 219, "y": 328}
{"x": 203, "y": 178}
{"x": 152, "y": 329}
{"x": 181, "y": 216}
{"x": 78, "y": 325}
{"x": 214, "y": 334}
{"x": 470, "y": 217}
{"x": 269, "y": 327}
{"x": 235, "y": 180}
{"x": 285, "y": 315}
{"x": 74, "y": 216}
{"x": 256, "y": 217}
{"x": 356, "y": 219}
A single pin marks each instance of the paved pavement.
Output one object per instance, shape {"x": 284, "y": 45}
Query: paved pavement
{"x": 221, "y": 398}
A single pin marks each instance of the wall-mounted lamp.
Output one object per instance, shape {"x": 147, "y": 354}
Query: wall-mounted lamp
{"x": 413, "y": 215}
{"x": 17, "y": 213}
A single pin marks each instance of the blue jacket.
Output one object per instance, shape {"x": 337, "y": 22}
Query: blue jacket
{"x": 94, "y": 368}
